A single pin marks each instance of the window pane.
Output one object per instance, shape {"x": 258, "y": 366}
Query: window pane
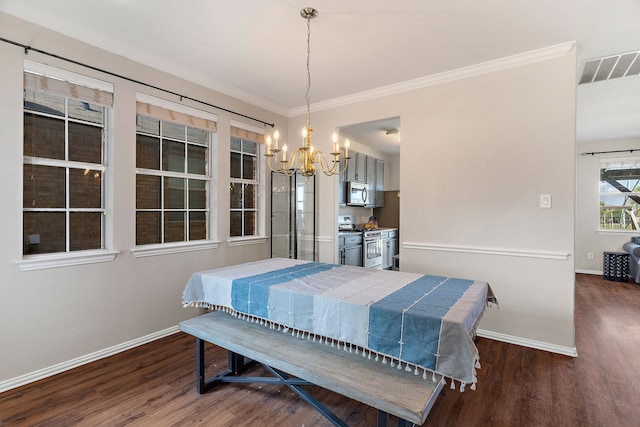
{"x": 249, "y": 196}
{"x": 43, "y": 137}
{"x": 249, "y": 147}
{"x": 85, "y": 111}
{"x": 197, "y": 194}
{"x": 43, "y": 102}
{"x": 235, "y": 228}
{"x": 147, "y": 192}
{"x": 85, "y": 143}
{"x": 173, "y": 130}
{"x": 236, "y": 165}
{"x": 147, "y": 228}
{"x": 174, "y": 193}
{"x": 248, "y": 167}
{"x": 172, "y": 156}
{"x": 174, "y": 223}
{"x": 249, "y": 223}
{"x": 147, "y": 152}
{"x": 198, "y": 136}
{"x": 236, "y": 195}
{"x": 44, "y": 232}
{"x": 147, "y": 125}
{"x": 236, "y": 144}
{"x": 85, "y": 188}
{"x": 85, "y": 231}
{"x": 619, "y": 212}
{"x": 197, "y": 159}
{"x": 43, "y": 187}
{"x": 197, "y": 225}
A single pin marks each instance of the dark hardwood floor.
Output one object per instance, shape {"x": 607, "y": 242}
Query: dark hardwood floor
{"x": 154, "y": 384}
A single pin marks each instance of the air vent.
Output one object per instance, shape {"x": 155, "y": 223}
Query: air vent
{"x": 611, "y": 67}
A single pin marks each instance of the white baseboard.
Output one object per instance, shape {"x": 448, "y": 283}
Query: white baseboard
{"x": 538, "y": 345}
{"x": 595, "y": 272}
{"x": 83, "y": 360}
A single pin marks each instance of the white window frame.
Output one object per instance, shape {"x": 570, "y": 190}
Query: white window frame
{"x": 106, "y": 254}
{"x": 185, "y": 246}
{"x": 261, "y": 182}
{"x": 626, "y": 215}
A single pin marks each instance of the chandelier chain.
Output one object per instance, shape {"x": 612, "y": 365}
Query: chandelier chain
{"x": 306, "y": 96}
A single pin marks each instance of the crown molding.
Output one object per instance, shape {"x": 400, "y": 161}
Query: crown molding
{"x": 517, "y": 60}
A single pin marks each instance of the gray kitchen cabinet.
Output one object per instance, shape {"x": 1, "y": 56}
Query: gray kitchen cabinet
{"x": 357, "y": 169}
{"x": 342, "y": 185}
{"x": 389, "y": 247}
{"x": 379, "y": 184}
{"x": 350, "y": 249}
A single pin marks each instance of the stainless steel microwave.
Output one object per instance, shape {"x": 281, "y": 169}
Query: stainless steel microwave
{"x": 356, "y": 194}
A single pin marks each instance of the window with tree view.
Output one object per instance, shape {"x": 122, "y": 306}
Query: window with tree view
{"x": 620, "y": 194}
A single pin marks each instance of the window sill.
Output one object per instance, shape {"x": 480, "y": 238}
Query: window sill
{"x": 617, "y": 231}
{"x": 173, "y": 248}
{"x": 243, "y": 241}
{"x": 42, "y": 262}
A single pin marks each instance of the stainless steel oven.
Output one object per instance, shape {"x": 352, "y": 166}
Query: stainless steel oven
{"x": 372, "y": 249}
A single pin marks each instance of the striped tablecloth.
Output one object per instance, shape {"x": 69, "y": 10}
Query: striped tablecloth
{"x": 415, "y": 322}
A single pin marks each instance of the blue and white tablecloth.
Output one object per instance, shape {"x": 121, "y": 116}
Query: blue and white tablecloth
{"x": 414, "y": 322}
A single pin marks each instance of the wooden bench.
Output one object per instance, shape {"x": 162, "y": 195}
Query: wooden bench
{"x": 389, "y": 390}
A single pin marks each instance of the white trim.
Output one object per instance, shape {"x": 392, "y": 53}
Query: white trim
{"x": 594, "y": 272}
{"x": 241, "y": 125}
{"x": 65, "y": 259}
{"x": 517, "y": 60}
{"x": 174, "y": 106}
{"x": 244, "y": 241}
{"x": 324, "y": 239}
{"x": 68, "y": 76}
{"x": 486, "y": 251}
{"x": 616, "y": 232}
{"x": 173, "y": 248}
{"x": 525, "y": 342}
{"x": 83, "y": 360}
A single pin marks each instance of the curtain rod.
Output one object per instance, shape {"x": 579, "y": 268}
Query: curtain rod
{"x": 53, "y": 55}
{"x": 630, "y": 150}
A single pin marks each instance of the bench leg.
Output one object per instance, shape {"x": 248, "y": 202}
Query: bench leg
{"x": 383, "y": 420}
{"x": 306, "y": 396}
{"x": 237, "y": 364}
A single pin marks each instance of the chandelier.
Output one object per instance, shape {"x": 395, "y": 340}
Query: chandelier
{"x": 305, "y": 157}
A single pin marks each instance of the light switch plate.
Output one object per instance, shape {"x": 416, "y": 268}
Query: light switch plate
{"x": 545, "y": 201}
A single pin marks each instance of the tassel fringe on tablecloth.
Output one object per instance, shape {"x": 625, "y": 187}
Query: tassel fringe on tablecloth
{"x": 393, "y": 362}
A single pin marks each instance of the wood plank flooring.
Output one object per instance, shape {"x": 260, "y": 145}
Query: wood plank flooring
{"x": 154, "y": 384}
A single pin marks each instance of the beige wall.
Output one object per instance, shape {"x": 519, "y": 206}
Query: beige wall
{"x": 476, "y": 154}
{"x": 53, "y": 316}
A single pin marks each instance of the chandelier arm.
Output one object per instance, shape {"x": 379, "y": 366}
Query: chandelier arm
{"x": 344, "y": 169}
{"x": 324, "y": 164}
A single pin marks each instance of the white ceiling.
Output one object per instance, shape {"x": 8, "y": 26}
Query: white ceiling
{"x": 255, "y": 50}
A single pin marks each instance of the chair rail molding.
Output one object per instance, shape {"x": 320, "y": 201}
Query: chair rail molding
{"x": 486, "y": 251}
